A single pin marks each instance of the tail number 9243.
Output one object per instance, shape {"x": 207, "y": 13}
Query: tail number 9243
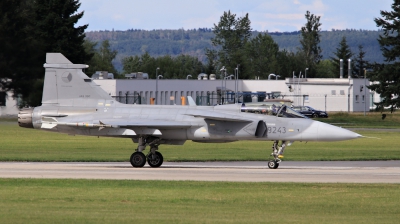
{"x": 274, "y": 130}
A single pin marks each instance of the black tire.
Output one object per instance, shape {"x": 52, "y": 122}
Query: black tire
{"x": 315, "y": 115}
{"x": 272, "y": 164}
{"x": 155, "y": 160}
{"x": 138, "y": 159}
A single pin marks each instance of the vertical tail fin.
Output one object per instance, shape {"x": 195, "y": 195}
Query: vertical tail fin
{"x": 191, "y": 101}
{"x": 66, "y": 85}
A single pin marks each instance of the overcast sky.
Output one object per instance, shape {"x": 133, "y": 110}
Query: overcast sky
{"x": 271, "y": 15}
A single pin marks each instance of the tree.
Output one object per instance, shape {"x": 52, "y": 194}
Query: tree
{"x": 51, "y": 25}
{"x": 325, "y": 69}
{"x": 211, "y": 64}
{"x": 231, "y": 35}
{"x": 90, "y": 49}
{"x": 29, "y": 29}
{"x": 310, "y": 39}
{"x": 21, "y": 63}
{"x": 342, "y": 52}
{"x": 55, "y": 27}
{"x": 170, "y": 67}
{"x": 386, "y": 76}
{"x": 360, "y": 63}
{"x": 261, "y": 54}
{"x": 131, "y": 64}
{"x": 102, "y": 59}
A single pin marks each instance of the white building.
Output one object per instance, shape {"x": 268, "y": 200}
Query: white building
{"x": 324, "y": 94}
{"x": 347, "y": 95}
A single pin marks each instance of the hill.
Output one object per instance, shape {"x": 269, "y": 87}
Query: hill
{"x": 193, "y": 42}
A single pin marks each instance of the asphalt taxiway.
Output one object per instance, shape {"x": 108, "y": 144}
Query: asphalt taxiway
{"x": 311, "y": 172}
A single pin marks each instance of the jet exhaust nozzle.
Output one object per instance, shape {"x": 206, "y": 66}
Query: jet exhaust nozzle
{"x": 25, "y": 118}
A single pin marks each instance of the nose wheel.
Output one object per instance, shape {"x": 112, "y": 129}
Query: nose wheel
{"x": 273, "y": 164}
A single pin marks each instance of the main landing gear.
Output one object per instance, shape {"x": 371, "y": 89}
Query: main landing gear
{"x": 277, "y": 153}
{"x": 154, "y": 158}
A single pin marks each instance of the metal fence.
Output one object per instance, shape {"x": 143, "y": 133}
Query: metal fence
{"x": 209, "y": 99}
{"x": 230, "y": 97}
{"x": 319, "y": 101}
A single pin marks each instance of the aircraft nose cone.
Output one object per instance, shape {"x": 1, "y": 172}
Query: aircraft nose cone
{"x": 327, "y": 132}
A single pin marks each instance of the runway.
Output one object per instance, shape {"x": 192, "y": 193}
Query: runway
{"x": 310, "y": 172}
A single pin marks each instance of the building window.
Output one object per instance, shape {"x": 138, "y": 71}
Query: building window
{"x": 2, "y": 99}
{"x": 333, "y": 92}
{"x": 357, "y": 98}
{"x": 166, "y": 98}
{"x": 341, "y": 92}
{"x": 363, "y": 98}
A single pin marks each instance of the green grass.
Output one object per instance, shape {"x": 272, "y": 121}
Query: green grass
{"x": 358, "y": 120}
{"x": 111, "y": 201}
{"x": 103, "y": 201}
{"x": 20, "y": 144}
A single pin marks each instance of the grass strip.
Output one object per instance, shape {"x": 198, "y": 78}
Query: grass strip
{"x": 19, "y": 144}
{"x": 109, "y": 201}
{"x": 358, "y": 120}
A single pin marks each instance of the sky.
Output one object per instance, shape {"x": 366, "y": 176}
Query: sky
{"x": 265, "y": 15}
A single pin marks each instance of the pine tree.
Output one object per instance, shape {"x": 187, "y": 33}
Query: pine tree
{"x": 55, "y": 27}
{"x": 21, "y": 63}
{"x": 360, "y": 63}
{"x": 211, "y": 64}
{"x": 45, "y": 26}
{"x": 342, "y": 52}
{"x": 387, "y": 75}
{"x": 102, "y": 59}
{"x": 310, "y": 39}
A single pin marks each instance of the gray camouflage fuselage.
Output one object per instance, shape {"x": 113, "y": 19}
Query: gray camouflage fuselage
{"x": 188, "y": 126}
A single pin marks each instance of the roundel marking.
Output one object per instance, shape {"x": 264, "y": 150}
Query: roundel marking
{"x": 66, "y": 77}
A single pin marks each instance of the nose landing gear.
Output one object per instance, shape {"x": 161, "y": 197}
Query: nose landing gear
{"x": 277, "y": 153}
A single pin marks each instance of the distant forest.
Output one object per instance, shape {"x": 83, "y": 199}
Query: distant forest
{"x": 194, "y": 42}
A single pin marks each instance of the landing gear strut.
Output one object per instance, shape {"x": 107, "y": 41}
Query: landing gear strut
{"x": 277, "y": 153}
{"x": 154, "y": 158}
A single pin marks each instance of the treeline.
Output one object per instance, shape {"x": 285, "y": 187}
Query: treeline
{"x": 178, "y": 67}
{"x": 331, "y": 39}
{"x": 193, "y": 42}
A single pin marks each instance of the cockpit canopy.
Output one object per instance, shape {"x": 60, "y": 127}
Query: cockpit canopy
{"x": 280, "y": 110}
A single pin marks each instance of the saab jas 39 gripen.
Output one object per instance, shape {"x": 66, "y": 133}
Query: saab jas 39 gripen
{"x": 73, "y": 104}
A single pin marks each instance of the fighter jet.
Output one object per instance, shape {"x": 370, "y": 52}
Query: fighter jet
{"x": 73, "y": 104}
